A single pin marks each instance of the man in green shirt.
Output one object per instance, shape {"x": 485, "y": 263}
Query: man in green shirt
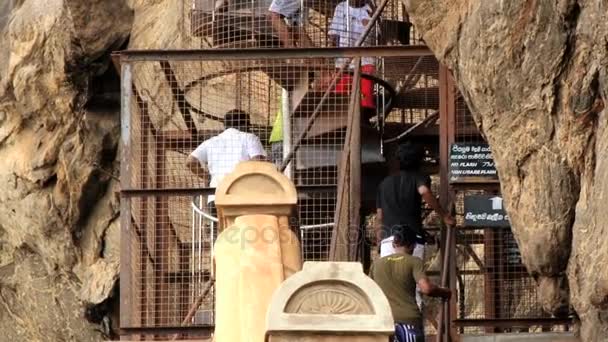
{"x": 397, "y": 275}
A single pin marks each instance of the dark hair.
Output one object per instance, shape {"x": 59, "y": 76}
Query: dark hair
{"x": 410, "y": 156}
{"x": 237, "y": 119}
{"x": 405, "y": 238}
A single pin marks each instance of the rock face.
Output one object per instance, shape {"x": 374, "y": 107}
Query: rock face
{"x": 58, "y": 145}
{"x": 534, "y": 75}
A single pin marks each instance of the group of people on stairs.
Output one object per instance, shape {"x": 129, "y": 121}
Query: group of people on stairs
{"x": 401, "y": 237}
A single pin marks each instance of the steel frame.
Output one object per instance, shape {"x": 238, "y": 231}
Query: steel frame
{"x": 277, "y": 54}
{"x": 129, "y": 230}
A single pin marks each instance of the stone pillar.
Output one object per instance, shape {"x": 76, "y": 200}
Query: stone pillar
{"x": 255, "y": 250}
{"x": 329, "y": 301}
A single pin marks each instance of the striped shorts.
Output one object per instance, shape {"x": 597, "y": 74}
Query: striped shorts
{"x": 408, "y": 333}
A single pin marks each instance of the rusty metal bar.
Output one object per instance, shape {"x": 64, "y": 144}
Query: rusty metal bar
{"x": 339, "y": 240}
{"x": 303, "y": 189}
{"x": 198, "y": 330}
{"x": 443, "y": 137}
{"x": 355, "y": 167}
{"x": 160, "y": 242}
{"x": 511, "y": 322}
{"x": 444, "y": 319}
{"x": 274, "y": 54}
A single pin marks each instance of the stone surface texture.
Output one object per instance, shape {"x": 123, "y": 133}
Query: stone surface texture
{"x": 58, "y": 204}
{"x": 534, "y": 76}
{"x": 329, "y": 301}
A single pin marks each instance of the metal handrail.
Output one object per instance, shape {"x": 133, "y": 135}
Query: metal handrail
{"x": 199, "y": 211}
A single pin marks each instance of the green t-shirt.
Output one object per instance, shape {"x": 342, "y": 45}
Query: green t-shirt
{"x": 397, "y": 276}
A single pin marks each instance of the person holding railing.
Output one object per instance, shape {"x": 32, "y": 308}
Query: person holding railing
{"x": 218, "y": 156}
{"x": 398, "y": 275}
{"x": 399, "y": 203}
{"x": 350, "y": 20}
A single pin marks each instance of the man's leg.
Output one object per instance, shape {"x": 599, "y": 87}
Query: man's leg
{"x": 408, "y": 333}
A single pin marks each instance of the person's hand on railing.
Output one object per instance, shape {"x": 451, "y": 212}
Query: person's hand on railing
{"x": 448, "y": 220}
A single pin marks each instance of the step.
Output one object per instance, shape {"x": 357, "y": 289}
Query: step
{"x": 332, "y": 116}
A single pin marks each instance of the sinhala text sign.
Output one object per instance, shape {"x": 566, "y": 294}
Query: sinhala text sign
{"x": 472, "y": 163}
{"x": 485, "y": 211}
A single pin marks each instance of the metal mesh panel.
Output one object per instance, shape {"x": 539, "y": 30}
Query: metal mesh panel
{"x": 178, "y": 106}
{"x": 492, "y": 281}
{"x": 171, "y": 258}
{"x": 307, "y": 23}
{"x": 466, "y": 129}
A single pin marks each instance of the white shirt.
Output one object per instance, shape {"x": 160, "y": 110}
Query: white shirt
{"x": 224, "y": 151}
{"x": 349, "y": 32}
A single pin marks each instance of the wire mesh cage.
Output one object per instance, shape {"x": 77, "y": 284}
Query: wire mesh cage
{"x": 492, "y": 284}
{"x": 190, "y": 121}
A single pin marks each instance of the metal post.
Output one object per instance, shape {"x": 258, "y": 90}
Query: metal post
{"x": 446, "y": 138}
{"x": 126, "y": 275}
{"x": 355, "y": 169}
{"x": 450, "y": 139}
{"x": 286, "y": 110}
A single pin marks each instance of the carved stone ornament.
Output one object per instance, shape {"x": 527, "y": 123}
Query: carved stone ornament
{"x": 254, "y": 187}
{"x": 329, "y": 301}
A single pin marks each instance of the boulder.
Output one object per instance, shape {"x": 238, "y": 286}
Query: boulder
{"x": 534, "y": 76}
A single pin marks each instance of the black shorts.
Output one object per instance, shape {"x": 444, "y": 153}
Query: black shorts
{"x": 408, "y": 333}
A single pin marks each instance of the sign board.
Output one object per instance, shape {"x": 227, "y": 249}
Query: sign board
{"x": 485, "y": 211}
{"x": 472, "y": 163}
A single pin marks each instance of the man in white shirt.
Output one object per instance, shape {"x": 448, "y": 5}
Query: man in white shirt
{"x": 281, "y": 11}
{"x": 223, "y": 152}
{"x": 350, "y": 20}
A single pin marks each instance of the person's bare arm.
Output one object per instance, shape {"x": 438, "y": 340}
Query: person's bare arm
{"x": 429, "y": 198}
{"x": 278, "y": 24}
{"x": 378, "y": 225}
{"x": 195, "y": 167}
{"x": 432, "y": 290}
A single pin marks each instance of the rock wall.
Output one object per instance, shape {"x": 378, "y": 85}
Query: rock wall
{"x": 58, "y": 145}
{"x": 533, "y": 73}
